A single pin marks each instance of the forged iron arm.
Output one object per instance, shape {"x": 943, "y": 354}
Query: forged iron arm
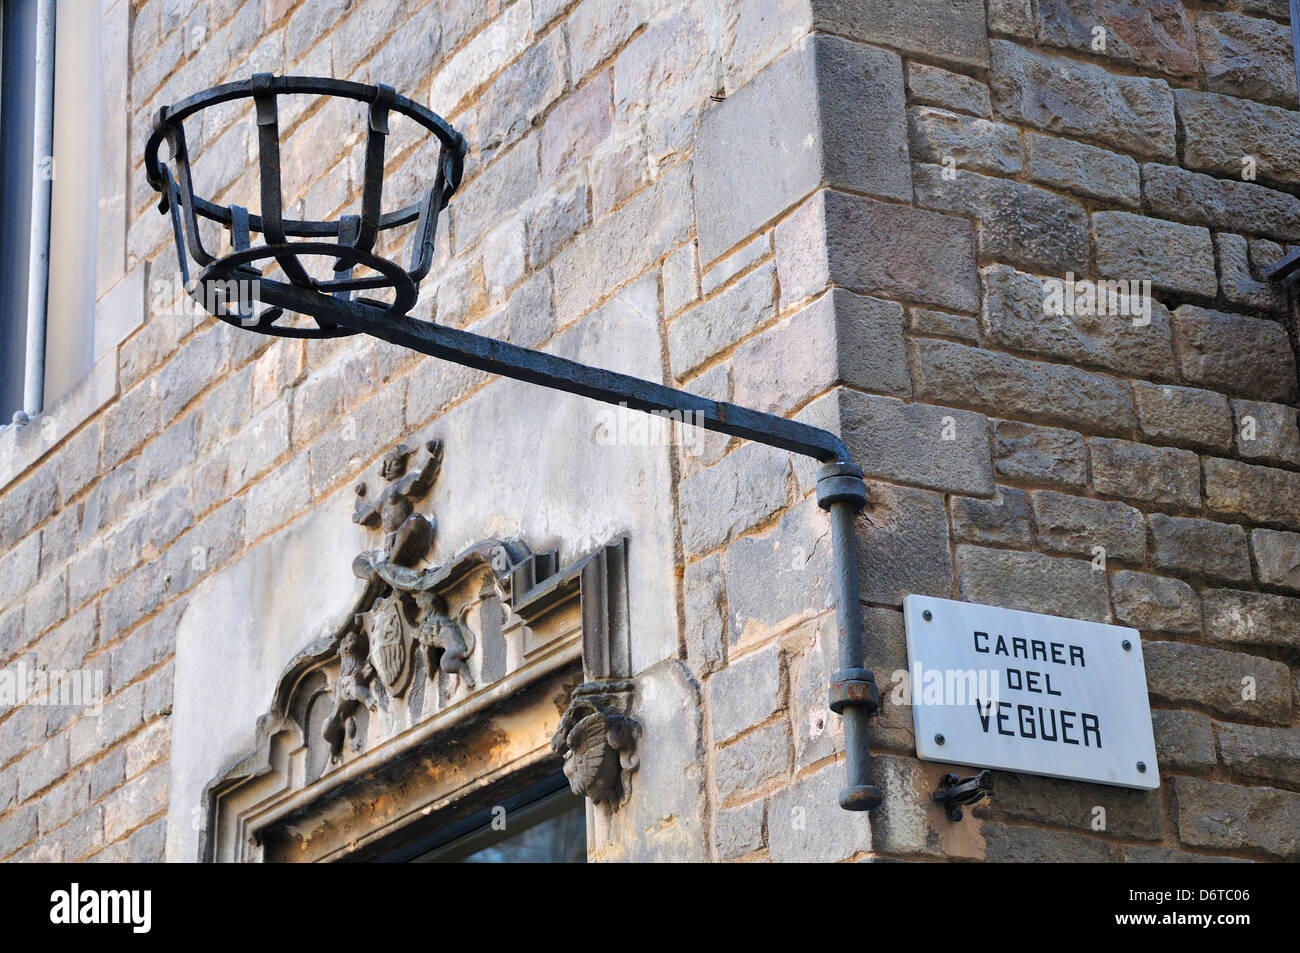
{"x": 840, "y": 487}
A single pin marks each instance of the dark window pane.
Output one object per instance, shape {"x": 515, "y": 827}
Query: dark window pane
{"x": 551, "y": 829}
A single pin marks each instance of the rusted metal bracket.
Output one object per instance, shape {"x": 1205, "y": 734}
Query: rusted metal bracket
{"x": 954, "y": 792}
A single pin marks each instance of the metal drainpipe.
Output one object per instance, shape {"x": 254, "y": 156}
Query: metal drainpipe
{"x": 853, "y": 693}
{"x": 38, "y": 265}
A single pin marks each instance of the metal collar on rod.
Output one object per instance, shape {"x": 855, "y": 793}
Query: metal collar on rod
{"x": 329, "y": 302}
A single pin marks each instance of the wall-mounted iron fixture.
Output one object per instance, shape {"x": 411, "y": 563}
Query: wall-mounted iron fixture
{"x": 230, "y": 286}
{"x": 954, "y": 792}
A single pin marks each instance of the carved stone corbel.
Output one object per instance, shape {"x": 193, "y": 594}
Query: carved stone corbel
{"x": 597, "y": 739}
{"x": 597, "y": 736}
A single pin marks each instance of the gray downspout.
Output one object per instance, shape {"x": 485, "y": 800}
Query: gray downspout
{"x": 38, "y": 266}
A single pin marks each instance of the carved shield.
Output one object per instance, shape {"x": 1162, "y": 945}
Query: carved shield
{"x": 388, "y": 652}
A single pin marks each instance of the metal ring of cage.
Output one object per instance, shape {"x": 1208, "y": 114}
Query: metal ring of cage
{"x": 350, "y": 240}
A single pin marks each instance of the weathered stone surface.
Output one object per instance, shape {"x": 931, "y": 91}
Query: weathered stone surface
{"x": 681, "y": 280}
{"x": 1007, "y": 844}
{"x": 1277, "y": 554}
{"x": 1240, "y": 262}
{"x": 1136, "y": 471}
{"x": 1267, "y": 431}
{"x": 1229, "y": 683}
{"x": 1018, "y": 223}
{"x": 1260, "y": 494}
{"x": 746, "y": 693}
{"x": 512, "y": 105}
{"x": 1252, "y": 618}
{"x": 1015, "y": 316}
{"x": 1153, "y": 34}
{"x": 1129, "y": 813}
{"x": 755, "y": 760}
{"x": 43, "y": 767}
{"x": 1184, "y": 415}
{"x": 554, "y": 222}
{"x": 1015, "y": 17}
{"x": 1232, "y": 817}
{"x": 932, "y": 86}
{"x": 779, "y": 578}
{"x": 739, "y": 830}
{"x": 1202, "y": 199}
{"x": 596, "y": 28}
{"x": 148, "y": 845}
{"x": 902, "y": 545}
{"x": 895, "y": 250}
{"x": 748, "y": 486}
{"x": 943, "y": 137}
{"x": 943, "y": 324}
{"x": 139, "y": 800}
{"x": 1083, "y": 169}
{"x": 1078, "y": 99}
{"x": 1168, "y": 855}
{"x": 1200, "y": 547}
{"x": 840, "y": 338}
{"x": 1272, "y": 754}
{"x": 703, "y": 601}
{"x": 1184, "y": 739}
{"x": 904, "y": 823}
{"x": 1075, "y": 526}
{"x": 17, "y": 829}
{"x": 1247, "y": 57}
{"x": 999, "y": 383}
{"x": 948, "y": 29}
{"x": 722, "y": 271}
{"x": 1039, "y": 454}
{"x": 638, "y": 234}
{"x": 806, "y": 823}
{"x": 1234, "y": 353}
{"x": 1002, "y": 520}
{"x": 818, "y": 733}
{"x": 1173, "y": 257}
{"x": 843, "y": 124}
{"x": 1032, "y": 582}
{"x": 1155, "y": 603}
{"x": 715, "y": 325}
{"x": 1220, "y": 130}
{"x": 933, "y": 447}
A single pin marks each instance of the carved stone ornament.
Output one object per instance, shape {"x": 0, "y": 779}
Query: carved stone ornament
{"x": 597, "y": 739}
{"x": 425, "y": 651}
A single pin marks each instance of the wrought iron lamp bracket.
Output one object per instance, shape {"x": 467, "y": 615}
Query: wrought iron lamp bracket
{"x": 840, "y": 486}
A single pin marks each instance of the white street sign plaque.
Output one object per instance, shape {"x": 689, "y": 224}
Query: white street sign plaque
{"x": 1022, "y": 691}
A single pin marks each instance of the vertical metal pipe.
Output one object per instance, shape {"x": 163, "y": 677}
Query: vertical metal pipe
{"x": 853, "y": 693}
{"x": 39, "y": 260}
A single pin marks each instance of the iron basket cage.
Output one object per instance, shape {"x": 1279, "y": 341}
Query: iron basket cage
{"x": 218, "y": 283}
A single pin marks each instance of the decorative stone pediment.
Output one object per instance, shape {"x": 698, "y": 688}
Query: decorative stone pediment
{"x": 425, "y": 651}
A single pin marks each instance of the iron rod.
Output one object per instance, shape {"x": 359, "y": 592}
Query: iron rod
{"x": 840, "y": 487}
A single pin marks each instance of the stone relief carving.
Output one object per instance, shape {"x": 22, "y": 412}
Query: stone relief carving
{"x": 445, "y": 641}
{"x": 351, "y": 689}
{"x": 597, "y": 739}
{"x": 409, "y": 535}
{"x": 430, "y": 646}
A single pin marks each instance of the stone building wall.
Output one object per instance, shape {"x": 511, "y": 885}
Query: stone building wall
{"x": 834, "y": 210}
